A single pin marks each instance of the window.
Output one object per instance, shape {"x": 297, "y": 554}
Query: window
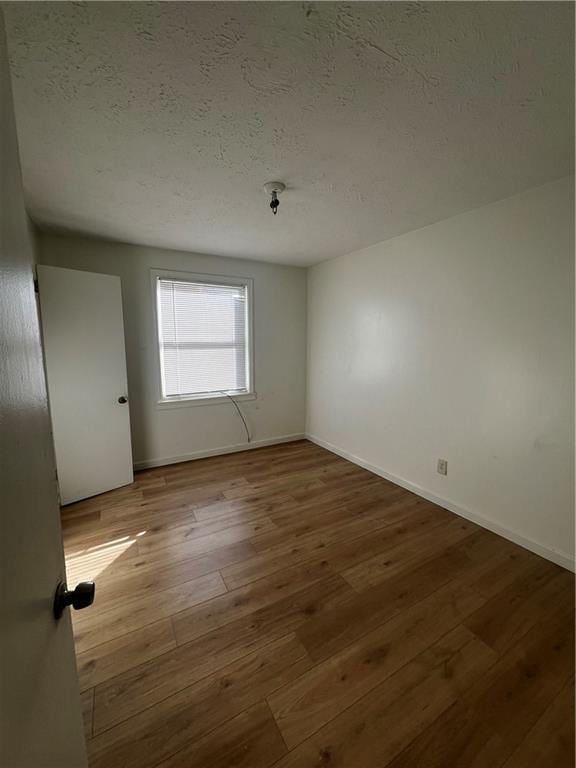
{"x": 204, "y": 336}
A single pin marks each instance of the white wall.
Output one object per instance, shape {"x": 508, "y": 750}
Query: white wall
{"x": 457, "y": 341}
{"x": 161, "y": 434}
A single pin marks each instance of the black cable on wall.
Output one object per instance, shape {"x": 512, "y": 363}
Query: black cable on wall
{"x": 248, "y": 436}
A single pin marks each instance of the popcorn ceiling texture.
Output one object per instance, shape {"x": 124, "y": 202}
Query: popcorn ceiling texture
{"x": 158, "y": 123}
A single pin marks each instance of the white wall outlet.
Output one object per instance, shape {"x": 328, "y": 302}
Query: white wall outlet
{"x": 442, "y": 467}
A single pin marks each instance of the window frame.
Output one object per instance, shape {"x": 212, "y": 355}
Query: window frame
{"x": 179, "y": 401}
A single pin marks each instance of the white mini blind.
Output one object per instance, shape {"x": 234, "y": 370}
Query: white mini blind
{"x": 203, "y": 337}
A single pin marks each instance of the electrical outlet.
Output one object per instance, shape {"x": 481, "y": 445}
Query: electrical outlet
{"x": 442, "y": 467}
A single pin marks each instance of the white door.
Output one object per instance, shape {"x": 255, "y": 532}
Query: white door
{"x": 85, "y": 358}
{"x": 40, "y": 716}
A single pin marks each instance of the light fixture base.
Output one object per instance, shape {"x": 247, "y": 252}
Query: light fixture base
{"x": 274, "y": 186}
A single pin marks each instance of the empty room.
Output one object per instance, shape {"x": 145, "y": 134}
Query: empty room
{"x": 287, "y": 384}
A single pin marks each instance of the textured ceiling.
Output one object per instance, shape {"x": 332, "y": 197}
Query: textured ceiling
{"x": 158, "y": 123}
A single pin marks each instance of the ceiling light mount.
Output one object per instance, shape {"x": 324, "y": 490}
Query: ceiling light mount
{"x": 274, "y": 188}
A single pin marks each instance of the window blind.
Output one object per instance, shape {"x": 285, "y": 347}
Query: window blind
{"x": 203, "y": 337}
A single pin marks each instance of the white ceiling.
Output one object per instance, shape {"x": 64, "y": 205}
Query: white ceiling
{"x": 158, "y": 123}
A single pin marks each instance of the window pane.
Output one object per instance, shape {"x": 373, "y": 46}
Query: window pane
{"x": 203, "y": 337}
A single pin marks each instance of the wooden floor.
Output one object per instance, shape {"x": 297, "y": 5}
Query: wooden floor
{"x": 283, "y": 607}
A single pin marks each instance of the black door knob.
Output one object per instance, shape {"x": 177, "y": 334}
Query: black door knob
{"x": 122, "y": 399}
{"x": 78, "y": 598}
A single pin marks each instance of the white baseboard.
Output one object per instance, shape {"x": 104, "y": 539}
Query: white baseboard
{"x": 149, "y": 463}
{"x": 560, "y": 558}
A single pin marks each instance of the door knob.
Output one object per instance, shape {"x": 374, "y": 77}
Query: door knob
{"x": 122, "y": 399}
{"x": 78, "y": 598}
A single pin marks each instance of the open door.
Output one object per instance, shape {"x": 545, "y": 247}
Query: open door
{"x": 83, "y": 331}
{"x": 41, "y": 721}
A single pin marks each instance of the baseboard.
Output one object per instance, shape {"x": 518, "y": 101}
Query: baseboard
{"x": 149, "y": 463}
{"x": 560, "y": 558}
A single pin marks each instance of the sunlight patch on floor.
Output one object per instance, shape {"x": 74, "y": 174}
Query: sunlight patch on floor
{"x": 87, "y": 564}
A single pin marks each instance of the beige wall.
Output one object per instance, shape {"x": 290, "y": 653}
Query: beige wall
{"x": 456, "y": 341}
{"x": 161, "y": 434}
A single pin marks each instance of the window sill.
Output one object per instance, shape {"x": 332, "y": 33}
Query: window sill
{"x": 185, "y": 402}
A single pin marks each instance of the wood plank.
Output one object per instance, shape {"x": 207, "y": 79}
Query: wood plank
{"x": 371, "y": 626}
{"x": 301, "y": 520}
{"x": 222, "y": 538}
{"x": 191, "y": 489}
{"x": 240, "y": 507}
{"x": 237, "y": 494}
{"x": 162, "y": 536}
{"x": 124, "y": 522}
{"x": 175, "y": 722}
{"x": 505, "y": 618}
{"x": 127, "y": 615}
{"x": 502, "y": 565}
{"x": 80, "y": 522}
{"x": 109, "y": 659}
{"x": 456, "y": 738}
{"x": 304, "y": 706}
{"x": 146, "y": 685}
{"x": 240, "y": 602}
{"x": 492, "y": 718}
{"x": 87, "y": 705}
{"x": 87, "y": 565}
{"x": 281, "y": 470}
{"x": 154, "y": 573}
{"x": 340, "y": 627}
{"x": 377, "y": 727}
{"x": 319, "y": 544}
{"x": 421, "y": 517}
{"x": 423, "y": 545}
{"x": 551, "y": 741}
{"x": 182, "y": 547}
{"x": 517, "y": 690}
{"x": 249, "y": 740}
{"x": 147, "y": 512}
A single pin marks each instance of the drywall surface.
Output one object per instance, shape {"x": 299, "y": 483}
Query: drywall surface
{"x": 161, "y": 434}
{"x": 456, "y": 341}
{"x": 158, "y": 123}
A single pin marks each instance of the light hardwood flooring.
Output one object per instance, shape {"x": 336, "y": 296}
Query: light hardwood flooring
{"x": 284, "y": 607}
